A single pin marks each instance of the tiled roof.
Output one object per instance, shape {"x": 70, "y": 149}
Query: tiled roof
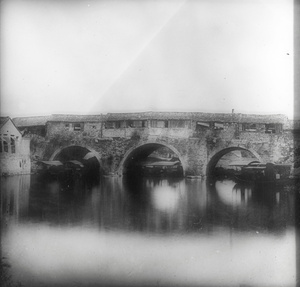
{"x": 31, "y": 121}
{"x": 267, "y": 119}
{"x": 42, "y": 120}
{"x": 217, "y": 117}
{"x": 196, "y": 116}
{"x": 147, "y": 116}
{"x": 3, "y": 120}
{"x": 169, "y": 116}
{"x": 76, "y": 118}
{"x": 240, "y": 118}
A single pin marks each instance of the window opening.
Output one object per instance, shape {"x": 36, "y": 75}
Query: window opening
{"x": 179, "y": 124}
{"x": 109, "y": 125}
{"x": 77, "y": 127}
{"x": 153, "y": 123}
{"x": 273, "y": 128}
{"x": 218, "y": 126}
{"x": 129, "y": 124}
{"x": 12, "y": 145}
{"x": 203, "y": 124}
{"x": 144, "y": 124}
{"x": 249, "y": 127}
{"x": 5, "y": 146}
{"x": 137, "y": 124}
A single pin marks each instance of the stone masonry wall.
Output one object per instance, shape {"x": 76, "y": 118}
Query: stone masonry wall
{"x": 87, "y": 129}
{"x": 194, "y": 146}
{"x": 277, "y": 148}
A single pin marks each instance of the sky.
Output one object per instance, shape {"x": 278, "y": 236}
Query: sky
{"x": 92, "y": 57}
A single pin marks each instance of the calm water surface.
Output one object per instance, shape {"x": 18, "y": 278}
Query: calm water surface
{"x": 149, "y": 232}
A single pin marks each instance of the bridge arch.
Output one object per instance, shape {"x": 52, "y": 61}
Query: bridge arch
{"x": 79, "y": 152}
{"x": 214, "y": 158}
{"x": 146, "y": 149}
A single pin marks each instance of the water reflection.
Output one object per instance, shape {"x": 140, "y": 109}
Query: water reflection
{"x": 147, "y": 231}
{"x": 153, "y": 205}
{"x": 14, "y": 198}
{"x": 258, "y": 206}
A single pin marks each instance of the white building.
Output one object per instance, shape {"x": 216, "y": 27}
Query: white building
{"x": 14, "y": 149}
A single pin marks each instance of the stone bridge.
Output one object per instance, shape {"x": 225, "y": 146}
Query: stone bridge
{"x": 199, "y": 140}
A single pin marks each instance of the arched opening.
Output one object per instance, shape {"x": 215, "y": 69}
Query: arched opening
{"x": 152, "y": 159}
{"x": 229, "y": 160}
{"x": 79, "y": 157}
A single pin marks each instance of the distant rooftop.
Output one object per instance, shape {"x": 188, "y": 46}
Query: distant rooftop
{"x": 4, "y": 120}
{"x": 149, "y": 115}
{"x": 31, "y": 121}
{"x": 76, "y": 118}
{"x": 196, "y": 116}
{"x": 42, "y": 120}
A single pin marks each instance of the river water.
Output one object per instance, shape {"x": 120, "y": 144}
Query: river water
{"x": 147, "y": 232}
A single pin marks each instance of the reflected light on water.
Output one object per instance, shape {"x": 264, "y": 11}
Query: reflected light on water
{"x": 226, "y": 194}
{"x": 165, "y": 198}
{"x": 232, "y": 194}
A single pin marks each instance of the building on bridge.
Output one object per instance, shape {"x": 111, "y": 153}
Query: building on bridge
{"x": 87, "y": 125}
{"x": 118, "y": 140}
{"x": 32, "y": 125}
{"x": 14, "y": 149}
{"x": 168, "y": 123}
{"x": 188, "y": 124}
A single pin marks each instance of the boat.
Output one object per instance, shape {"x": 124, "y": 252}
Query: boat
{"x": 162, "y": 168}
{"x": 74, "y": 167}
{"x": 264, "y": 172}
{"x": 57, "y": 168}
{"x": 50, "y": 167}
